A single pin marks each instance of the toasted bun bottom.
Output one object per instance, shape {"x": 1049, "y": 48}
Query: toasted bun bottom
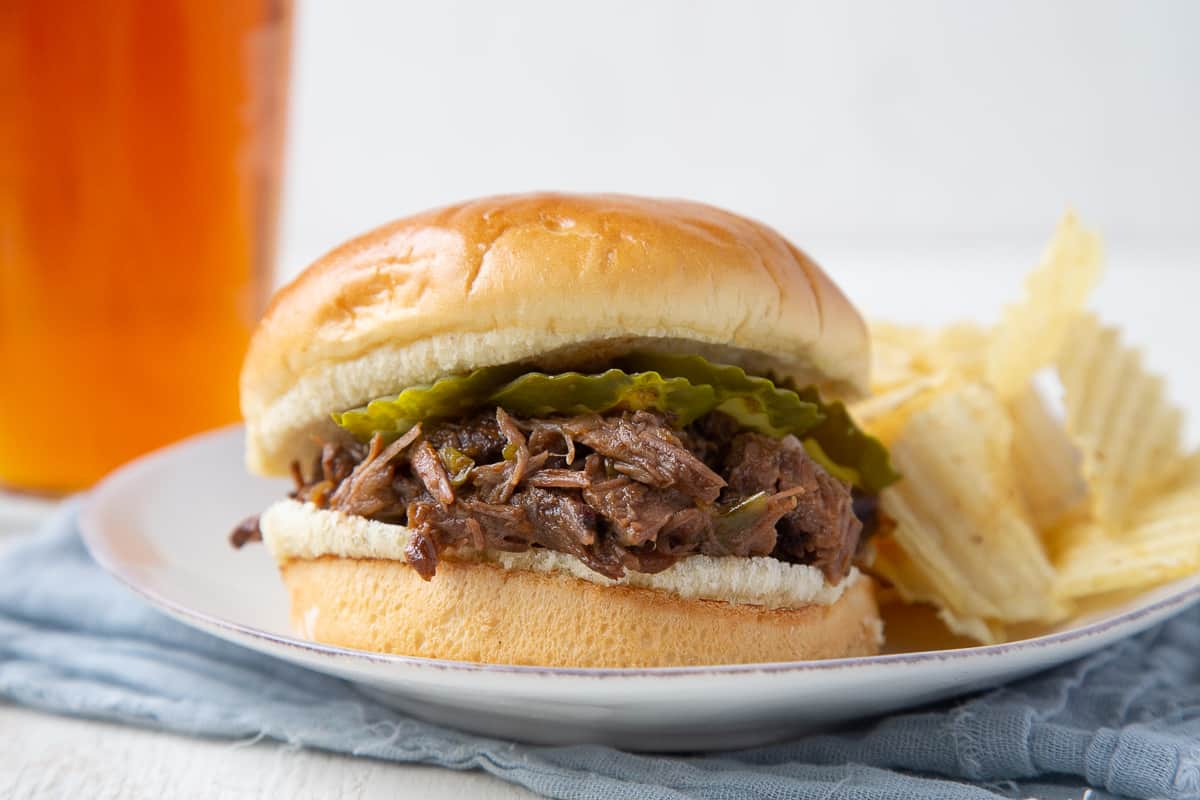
{"x": 482, "y": 613}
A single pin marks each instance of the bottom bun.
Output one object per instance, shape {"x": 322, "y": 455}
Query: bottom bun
{"x": 483, "y": 613}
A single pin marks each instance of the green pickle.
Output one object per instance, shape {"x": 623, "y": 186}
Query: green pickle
{"x": 845, "y": 444}
{"x": 684, "y": 387}
{"x": 446, "y": 398}
{"x": 818, "y": 454}
{"x": 739, "y": 517}
{"x": 754, "y": 402}
{"x": 538, "y": 395}
{"x": 457, "y": 463}
{"x": 832, "y": 439}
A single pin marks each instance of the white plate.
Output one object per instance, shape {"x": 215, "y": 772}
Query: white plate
{"x": 160, "y": 525}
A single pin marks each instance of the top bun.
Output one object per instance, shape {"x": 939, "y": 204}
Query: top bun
{"x": 559, "y": 281}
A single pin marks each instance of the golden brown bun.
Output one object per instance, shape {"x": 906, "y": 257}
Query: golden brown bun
{"x": 479, "y": 612}
{"x": 555, "y": 280}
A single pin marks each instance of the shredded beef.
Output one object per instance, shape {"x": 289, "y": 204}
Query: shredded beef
{"x": 822, "y": 529}
{"x": 479, "y": 438}
{"x": 368, "y": 489}
{"x": 427, "y": 465}
{"x": 516, "y": 456}
{"x": 246, "y": 531}
{"x": 643, "y": 447}
{"x": 565, "y": 523}
{"x": 708, "y": 437}
{"x": 337, "y": 462}
{"x": 478, "y": 524}
{"x": 635, "y": 511}
{"x": 559, "y": 479}
{"x": 623, "y": 491}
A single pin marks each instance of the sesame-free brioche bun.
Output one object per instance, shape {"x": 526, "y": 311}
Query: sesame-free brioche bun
{"x": 483, "y": 613}
{"x": 350, "y": 586}
{"x": 557, "y": 281}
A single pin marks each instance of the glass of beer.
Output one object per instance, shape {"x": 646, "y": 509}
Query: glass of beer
{"x": 140, "y": 155}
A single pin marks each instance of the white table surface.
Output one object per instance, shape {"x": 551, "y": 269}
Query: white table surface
{"x": 1151, "y": 293}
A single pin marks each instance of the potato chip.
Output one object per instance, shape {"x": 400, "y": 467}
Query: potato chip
{"x": 1188, "y": 472}
{"x": 968, "y": 542}
{"x": 1047, "y": 463}
{"x": 912, "y": 584}
{"x": 895, "y": 353}
{"x": 1011, "y": 516}
{"x": 962, "y": 347}
{"x": 883, "y": 415}
{"x": 1161, "y": 544}
{"x": 1031, "y": 333}
{"x": 905, "y": 353}
{"x": 1120, "y": 418}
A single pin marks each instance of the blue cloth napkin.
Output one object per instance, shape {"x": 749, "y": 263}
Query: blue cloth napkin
{"x": 1125, "y": 721}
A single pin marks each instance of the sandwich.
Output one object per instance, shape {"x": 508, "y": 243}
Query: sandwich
{"x": 568, "y": 430}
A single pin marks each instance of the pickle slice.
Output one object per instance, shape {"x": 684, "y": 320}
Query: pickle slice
{"x": 832, "y": 438}
{"x": 445, "y": 398}
{"x": 684, "y": 387}
{"x": 536, "y": 394}
{"x": 845, "y": 444}
{"x": 757, "y": 403}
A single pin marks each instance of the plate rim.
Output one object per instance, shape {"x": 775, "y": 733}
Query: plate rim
{"x": 93, "y": 538}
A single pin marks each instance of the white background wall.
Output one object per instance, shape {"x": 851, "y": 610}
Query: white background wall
{"x": 861, "y": 122}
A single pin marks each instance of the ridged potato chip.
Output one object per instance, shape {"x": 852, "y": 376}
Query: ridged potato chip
{"x": 904, "y": 353}
{"x": 968, "y": 542}
{"x": 1011, "y": 516}
{"x": 1046, "y": 462}
{"x": 1161, "y": 543}
{"x": 896, "y": 355}
{"x": 1188, "y": 472}
{"x": 962, "y": 347}
{"x": 884, "y": 414}
{"x": 1031, "y": 333}
{"x": 1119, "y": 416}
{"x": 912, "y": 584}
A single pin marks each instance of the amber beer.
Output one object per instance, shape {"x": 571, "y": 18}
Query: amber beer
{"x": 140, "y": 154}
